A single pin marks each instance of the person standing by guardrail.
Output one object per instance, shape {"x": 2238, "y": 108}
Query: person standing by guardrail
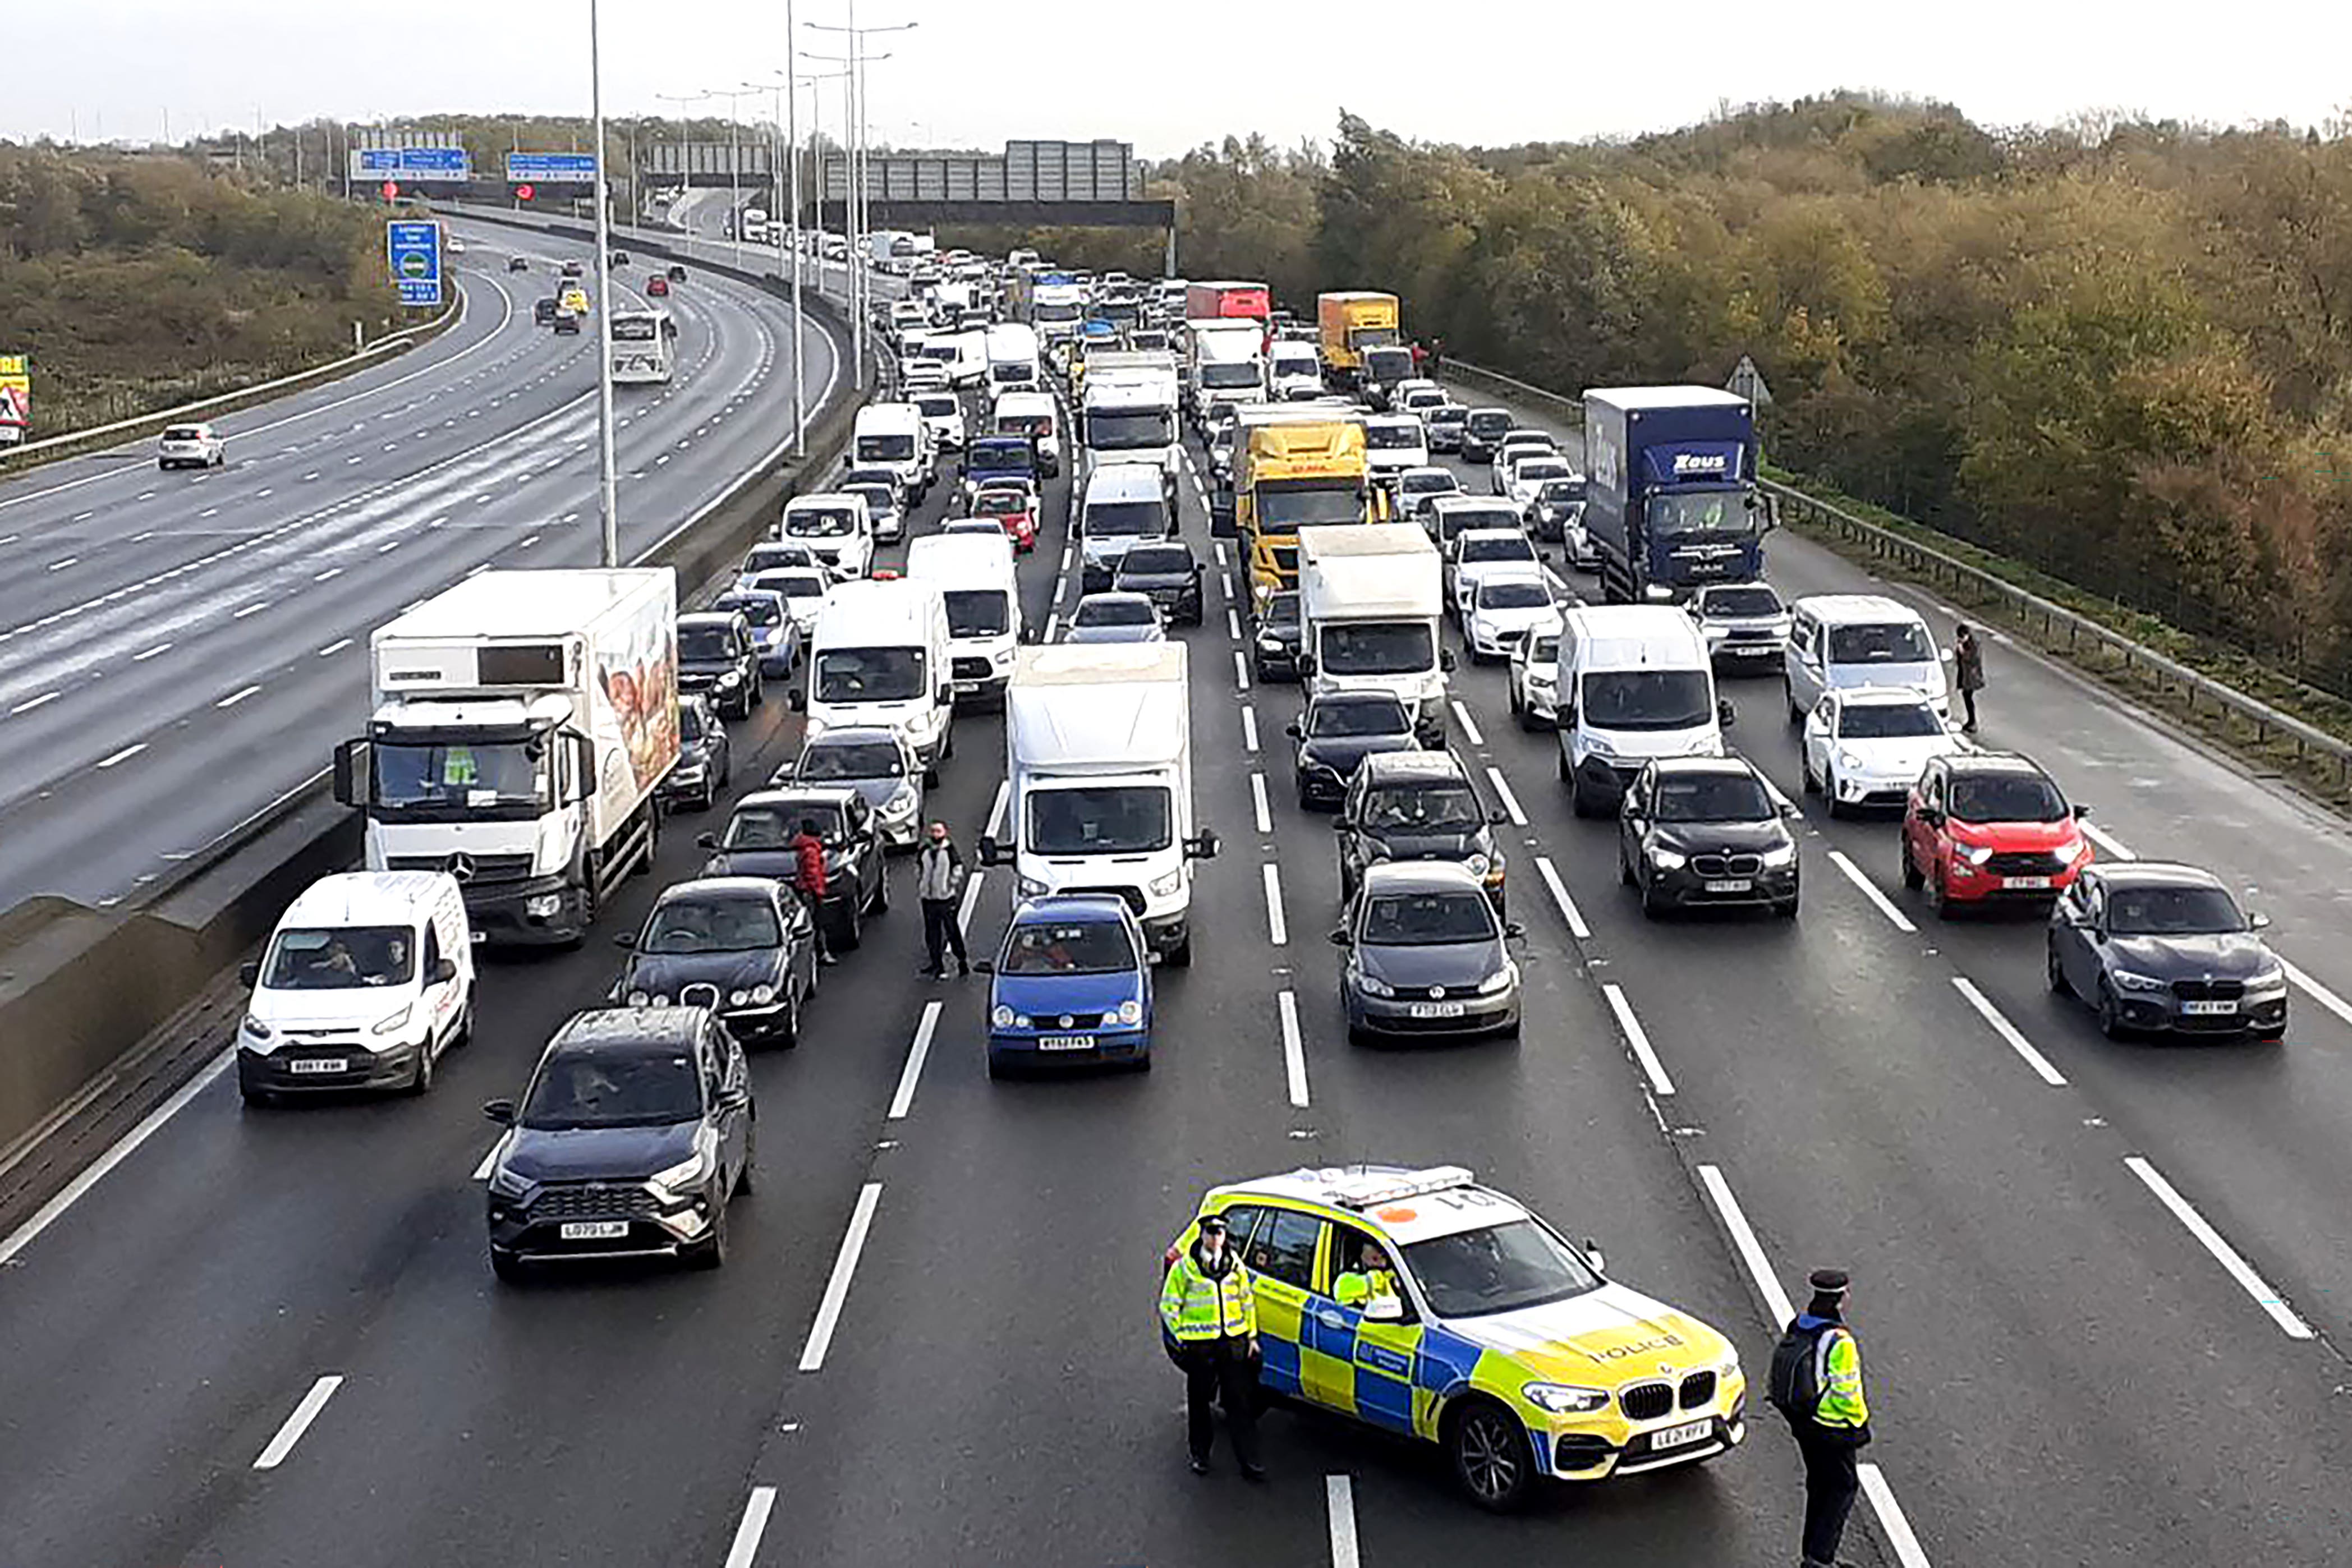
{"x": 1968, "y": 671}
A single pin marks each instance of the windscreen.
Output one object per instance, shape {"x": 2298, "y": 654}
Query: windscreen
{"x": 1100, "y": 819}
{"x": 1535, "y": 468}
{"x": 869, "y": 674}
{"x": 763, "y": 558}
{"x": 820, "y": 522}
{"x": 1282, "y": 609}
{"x": 1514, "y": 595}
{"x": 1229, "y": 375}
{"x": 1354, "y": 717}
{"x": 1455, "y": 519}
{"x": 1157, "y": 561}
{"x": 1378, "y": 648}
{"x": 340, "y": 957}
{"x": 1115, "y": 610}
{"x": 1009, "y": 371}
{"x": 706, "y": 924}
{"x": 1128, "y": 430}
{"x": 1887, "y": 721}
{"x": 2172, "y": 912}
{"x": 184, "y": 433}
{"x": 772, "y": 827}
{"x": 1487, "y": 423}
{"x": 1045, "y": 310}
{"x": 1712, "y": 798}
{"x": 1002, "y": 457}
{"x": 1896, "y": 643}
{"x": 1437, "y": 806}
{"x": 704, "y": 645}
{"x": 880, "y": 499}
{"x": 1545, "y": 650}
{"x": 938, "y": 406}
{"x": 757, "y": 608}
{"x": 1067, "y": 947}
{"x": 1515, "y": 548}
{"x": 1647, "y": 699}
{"x": 2007, "y": 797}
{"x": 796, "y": 584}
{"x": 477, "y": 775}
{"x": 1752, "y": 599}
{"x": 1126, "y": 520}
{"x": 1296, "y": 364}
{"x": 978, "y": 612}
{"x": 1424, "y": 919}
{"x": 1709, "y": 512}
{"x": 888, "y": 448}
{"x": 1386, "y": 364}
{"x": 1286, "y": 505}
{"x": 1497, "y": 1268}
{"x": 1374, "y": 338}
{"x": 824, "y": 762}
{"x": 1036, "y": 424}
{"x": 576, "y": 1091}
{"x": 1392, "y": 437}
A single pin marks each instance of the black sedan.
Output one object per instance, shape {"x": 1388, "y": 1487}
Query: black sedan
{"x": 632, "y": 1136}
{"x": 1168, "y": 575}
{"x": 742, "y": 945}
{"x": 2158, "y": 947}
{"x": 1426, "y": 955}
{"x": 705, "y": 756}
{"x": 518, "y": 264}
{"x": 759, "y": 843}
{"x": 1276, "y": 640}
{"x": 1705, "y": 831}
{"x": 1338, "y": 731}
{"x": 544, "y": 311}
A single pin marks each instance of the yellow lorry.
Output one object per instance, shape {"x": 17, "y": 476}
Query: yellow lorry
{"x": 1298, "y": 465}
{"x": 1351, "y": 321}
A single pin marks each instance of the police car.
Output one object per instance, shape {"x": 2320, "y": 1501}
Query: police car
{"x": 1482, "y": 1329}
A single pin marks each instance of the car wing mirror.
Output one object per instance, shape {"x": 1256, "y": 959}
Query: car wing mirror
{"x": 1203, "y": 845}
{"x": 983, "y": 965}
{"x": 1725, "y": 715}
{"x": 2081, "y": 812}
{"x": 624, "y": 939}
{"x": 1496, "y": 817}
{"x": 798, "y": 700}
{"x": 1446, "y": 660}
{"x": 2258, "y": 922}
{"x": 1293, "y": 730}
{"x": 444, "y": 971}
{"x": 706, "y": 841}
{"x": 502, "y": 1111}
{"x": 1593, "y": 1255}
{"x": 248, "y": 974}
{"x": 1340, "y": 937}
{"x": 1513, "y": 931}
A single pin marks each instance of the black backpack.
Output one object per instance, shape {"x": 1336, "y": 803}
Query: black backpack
{"x": 1794, "y": 1387}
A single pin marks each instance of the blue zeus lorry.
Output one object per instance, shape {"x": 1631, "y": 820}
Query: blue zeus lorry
{"x": 1672, "y": 502}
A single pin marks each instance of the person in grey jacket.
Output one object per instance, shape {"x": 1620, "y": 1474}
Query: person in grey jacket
{"x": 939, "y": 884}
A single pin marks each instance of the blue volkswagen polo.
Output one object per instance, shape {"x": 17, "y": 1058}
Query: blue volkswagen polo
{"x": 1071, "y": 983}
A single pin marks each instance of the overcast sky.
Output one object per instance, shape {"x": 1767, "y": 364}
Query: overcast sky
{"x": 977, "y": 72}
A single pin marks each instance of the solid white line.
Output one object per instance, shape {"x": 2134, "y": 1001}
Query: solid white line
{"x": 236, "y": 697}
{"x": 1294, "y": 1050}
{"x": 2319, "y": 993}
{"x": 1907, "y": 1550}
{"x": 1257, "y": 803}
{"x": 29, "y": 703}
{"x": 297, "y": 1423}
{"x": 750, "y": 1527}
{"x": 836, "y": 1288}
{"x": 1241, "y": 670}
{"x": 2224, "y": 1253}
{"x": 2008, "y": 1031}
{"x": 1568, "y": 909}
{"x": 124, "y": 1148}
{"x": 125, "y": 755}
{"x": 337, "y": 646}
{"x": 1249, "y": 728}
{"x": 1339, "y": 1499}
{"x": 1510, "y": 801}
{"x": 2106, "y": 841}
{"x": 1839, "y": 859}
{"x": 904, "y": 1100}
{"x": 1638, "y": 1038}
{"x": 1233, "y": 623}
{"x": 158, "y": 649}
{"x": 1777, "y": 1304}
{"x": 1469, "y": 726}
{"x": 996, "y": 810}
{"x": 971, "y": 898}
{"x": 1275, "y": 926}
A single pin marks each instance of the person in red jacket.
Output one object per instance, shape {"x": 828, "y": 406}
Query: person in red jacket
{"x": 808, "y": 852}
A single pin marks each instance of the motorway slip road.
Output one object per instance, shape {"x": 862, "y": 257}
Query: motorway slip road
{"x": 934, "y": 1341}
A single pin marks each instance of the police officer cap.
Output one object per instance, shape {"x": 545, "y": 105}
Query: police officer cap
{"x": 1213, "y": 1223}
{"x": 1829, "y": 1281}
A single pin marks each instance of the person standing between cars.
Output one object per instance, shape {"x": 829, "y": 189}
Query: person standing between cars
{"x": 1816, "y": 1385}
{"x": 938, "y": 883}
{"x": 1420, "y": 355}
{"x": 1208, "y": 1304}
{"x": 1968, "y": 671}
{"x": 809, "y": 877}
{"x": 1436, "y": 356}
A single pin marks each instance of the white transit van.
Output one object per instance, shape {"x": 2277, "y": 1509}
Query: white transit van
{"x": 1035, "y": 415}
{"x": 1845, "y": 640}
{"x": 836, "y": 524}
{"x": 1635, "y": 683}
{"x": 368, "y": 979}
{"x": 973, "y": 574}
{"x": 880, "y": 656}
{"x": 892, "y": 436}
{"x": 1124, "y": 502}
{"x": 1014, "y": 363}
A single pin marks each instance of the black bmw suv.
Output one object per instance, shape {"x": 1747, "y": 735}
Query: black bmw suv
{"x": 1705, "y": 830}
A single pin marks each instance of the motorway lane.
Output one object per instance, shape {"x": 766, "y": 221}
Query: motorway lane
{"x": 117, "y": 696}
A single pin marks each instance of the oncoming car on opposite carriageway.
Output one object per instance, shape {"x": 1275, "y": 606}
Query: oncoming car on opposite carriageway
{"x": 1501, "y": 1341}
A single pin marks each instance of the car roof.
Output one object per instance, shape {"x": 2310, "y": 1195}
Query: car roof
{"x": 1354, "y": 699}
{"x": 1070, "y": 906}
{"x": 1692, "y": 766}
{"x": 1461, "y": 501}
{"x": 1847, "y": 608}
{"x": 786, "y": 795}
{"x": 1880, "y": 696}
{"x": 2157, "y": 874}
{"x": 1475, "y": 534}
{"x": 1124, "y": 481}
{"x": 1385, "y": 766}
{"x": 855, "y": 735}
{"x": 707, "y": 618}
{"x": 1114, "y": 596}
{"x": 621, "y": 1028}
{"x": 1380, "y": 1197}
{"x": 1427, "y": 468}
{"x": 765, "y": 887}
{"x": 1995, "y": 762}
{"x": 367, "y": 898}
{"x": 1421, "y": 876}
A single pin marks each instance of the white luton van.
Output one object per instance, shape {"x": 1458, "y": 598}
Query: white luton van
{"x": 1129, "y": 415}
{"x": 1015, "y": 363}
{"x": 1635, "y": 681}
{"x": 368, "y": 979}
{"x": 880, "y": 656}
{"x": 1226, "y": 364}
{"x": 1370, "y": 596}
{"x": 1098, "y": 755}
{"x": 523, "y": 722}
{"x": 973, "y": 574}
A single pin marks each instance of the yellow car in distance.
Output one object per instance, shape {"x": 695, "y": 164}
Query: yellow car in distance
{"x": 1423, "y": 1303}
{"x": 574, "y": 298}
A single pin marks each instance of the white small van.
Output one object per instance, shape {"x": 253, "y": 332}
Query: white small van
{"x": 1035, "y": 415}
{"x": 1124, "y": 502}
{"x": 1846, "y": 639}
{"x": 973, "y": 574}
{"x": 892, "y": 436}
{"x": 881, "y": 655}
{"x": 835, "y": 525}
{"x": 368, "y": 979}
{"x": 1633, "y": 682}
{"x": 1013, "y": 359}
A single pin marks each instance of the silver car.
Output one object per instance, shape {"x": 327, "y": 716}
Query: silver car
{"x": 878, "y": 762}
{"x": 191, "y": 446}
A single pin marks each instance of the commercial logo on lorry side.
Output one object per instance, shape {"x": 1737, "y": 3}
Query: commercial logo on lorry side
{"x": 1698, "y": 463}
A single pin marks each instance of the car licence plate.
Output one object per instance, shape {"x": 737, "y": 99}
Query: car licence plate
{"x": 1436, "y": 1010}
{"x": 2208, "y": 1009}
{"x": 1732, "y": 885}
{"x": 308, "y": 1064}
{"x": 2025, "y": 882}
{"x": 1066, "y": 1043}
{"x": 1681, "y": 1436}
{"x": 594, "y": 1229}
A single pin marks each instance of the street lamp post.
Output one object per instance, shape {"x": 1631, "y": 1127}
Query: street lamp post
{"x": 608, "y": 482}
{"x": 855, "y": 170}
{"x": 685, "y": 179}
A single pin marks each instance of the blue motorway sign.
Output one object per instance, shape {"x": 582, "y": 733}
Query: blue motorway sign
{"x": 414, "y": 164}
{"x": 551, "y": 168}
{"x": 414, "y": 250}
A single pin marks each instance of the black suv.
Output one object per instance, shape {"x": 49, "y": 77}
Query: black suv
{"x": 718, "y": 657}
{"x": 1418, "y": 805}
{"x": 759, "y": 843}
{"x": 635, "y": 1133}
{"x": 1167, "y": 573}
{"x": 542, "y": 311}
{"x": 1706, "y": 831}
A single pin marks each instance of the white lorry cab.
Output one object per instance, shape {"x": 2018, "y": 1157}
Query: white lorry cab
{"x": 1296, "y": 371}
{"x": 1123, "y": 504}
{"x": 973, "y": 574}
{"x": 1129, "y": 413}
{"x": 1370, "y": 596}
{"x": 368, "y": 979}
{"x": 892, "y": 436}
{"x": 1035, "y": 415}
{"x": 836, "y": 526}
{"x": 1633, "y": 682}
{"x": 1227, "y": 362}
{"x": 881, "y": 656}
{"x": 1015, "y": 363}
{"x": 1098, "y": 760}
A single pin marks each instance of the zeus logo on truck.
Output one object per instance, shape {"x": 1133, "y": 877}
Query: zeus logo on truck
{"x": 1696, "y": 463}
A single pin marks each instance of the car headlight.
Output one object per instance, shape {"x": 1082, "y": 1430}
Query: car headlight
{"x": 1500, "y": 980}
{"x": 689, "y": 1172}
{"x": 1477, "y": 865}
{"x": 660, "y": 1000}
{"x": 1565, "y": 1398}
{"x": 687, "y": 773}
{"x": 257, "y": 1028}
{"x": 1269, "y": 645}
{"x": 901, "y": 804}
{"x": 1666, "y": 859}
{"x": 639, "y": 999}
{"x": 763, "y": 993}
{"x": 2269, "y": 979}
{"x": 1373, "y": 985}
{"x": 1977, "y": 854}
{"x": 396, "y": 1021}
{"x": 1780, "y": 855}
{"x": 1004, "y": 656}
{"x": 1030, "y": 887}
{"x": 1001, "y": 1016}
{"x": 504, "y": 1183}
{"x": 739, "y": 998}
{"x": 731, "y": 678}
{"x": 2069, "y": 851}
{"x": 1847, "y": 759}
{"x": 2132, "y": 981}
{"x": 1538, "y": 681}
{"x": 1166, "y": 886}
{"x": 1599, "y": 748}
{"x": 1130, "y": 1013}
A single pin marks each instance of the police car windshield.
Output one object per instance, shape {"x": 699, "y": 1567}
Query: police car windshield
{"x": 610, "y": 1090}
{"x": 1497, "y": 1268}
{"x": 340, "y": 958}
{"x": 1067, "y": 947}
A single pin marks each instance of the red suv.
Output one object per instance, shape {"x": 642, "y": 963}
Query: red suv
{"x": 1984, "y": 828}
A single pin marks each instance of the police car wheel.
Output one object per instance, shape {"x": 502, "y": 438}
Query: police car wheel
{"x": 1490, "y": 1457}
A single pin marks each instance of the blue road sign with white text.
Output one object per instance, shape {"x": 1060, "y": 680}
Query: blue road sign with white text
{"x": 551, "y": 168}
{"x": 414, "y": 164}
{"x": 414, "y": 250}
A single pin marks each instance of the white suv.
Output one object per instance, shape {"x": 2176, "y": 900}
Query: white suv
{"x": 191, "y": 446}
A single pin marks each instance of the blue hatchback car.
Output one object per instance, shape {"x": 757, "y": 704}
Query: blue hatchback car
{"x": 773, "y": 628}
{"x": 1072, "y": 983}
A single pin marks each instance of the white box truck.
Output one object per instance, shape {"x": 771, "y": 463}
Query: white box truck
{"x": 1129, "y": 414}
{"x": 1225, "y": 362}
{"x": 1098, "y": 753}
{"x": 521, "y": 722}
{"x": 1370, "y": 596}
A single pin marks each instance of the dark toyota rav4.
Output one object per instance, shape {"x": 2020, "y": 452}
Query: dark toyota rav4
{"x": 635, "y": 1133}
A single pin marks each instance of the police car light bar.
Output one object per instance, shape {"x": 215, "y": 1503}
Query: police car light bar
{"x": 1413, "y": 1184}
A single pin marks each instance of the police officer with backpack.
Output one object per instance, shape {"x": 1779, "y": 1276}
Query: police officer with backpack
{"x": 1816, "y": 1385}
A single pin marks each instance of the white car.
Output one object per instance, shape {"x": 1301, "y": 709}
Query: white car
{"x": 1525, "y": 478}
{"x": 1297, "y": 370}
{"x": 1115, "y": 617}
{"x": 1866, "y": 746}
{"x": 803, "y": 589}
{"x": 917, "y": 377}
{"x": 1480, "y": 552}
{"x": 455, "y": 244}
{"x": 942, "y": 411}
{"x": 1506, "y": 606}
{"x": 837, "y": 526}
{"x": 1745, "y": 624}
{"x": 1513, "y": 447}
{"x": 1417, "y": 400}
{"x": 191, "y": 446}
{"x": 1415, "y": 486}
{"x": 1394, "y": 443}
{"x": 1535, "y": 679}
